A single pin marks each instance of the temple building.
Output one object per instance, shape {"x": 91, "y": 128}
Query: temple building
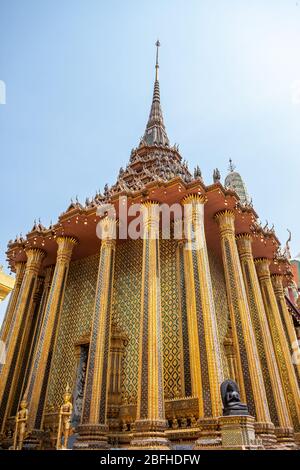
{"x": 133, "y": 337}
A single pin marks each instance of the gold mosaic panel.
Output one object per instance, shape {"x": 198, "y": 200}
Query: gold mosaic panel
{"x": 75, "y": 322}
{"x": 170, "y": 318}
{"x": 220, "y": 297}
{"x": 126, "y": 310}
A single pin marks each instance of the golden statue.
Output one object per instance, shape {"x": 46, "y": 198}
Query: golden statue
{"x": 21, "y": 424}
{"x": 64, "y": 424}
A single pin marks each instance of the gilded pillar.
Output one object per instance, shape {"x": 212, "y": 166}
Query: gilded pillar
{"x": 150, "y": 419}
{"x": 18, "y": 335}
{"x": 287, "y": 322}
{"x": 117, "y": 349}
{"x": 10, "y": 311}
{"x": 185, "y": 372}
{"x": 276, "y": 400}
{"x": 41, "y": 363}
{"x": 205, "y": 357}
{"x": 29, "y": 345}
{"x": 93, "y": 428}
{"x": 41, "y": 298}
{"x": 250, "y": 377}
{"x": 280, "y": 344}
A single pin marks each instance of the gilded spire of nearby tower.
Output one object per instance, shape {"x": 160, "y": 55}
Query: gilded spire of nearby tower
{"x": 155, "y": 133}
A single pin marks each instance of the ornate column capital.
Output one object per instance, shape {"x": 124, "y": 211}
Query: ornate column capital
{"x": 194, "y": 199}
{"x": 262, "y": 268}
{"x": 244, "y": 244}
{"x": 225, "y": 220}
{"x": 150, "y": 222}
{"x": 65, "y": 248}
{"x": 277, "y": 284}
{"x": 35, "y": 257}
{"x": 108, "y": 227}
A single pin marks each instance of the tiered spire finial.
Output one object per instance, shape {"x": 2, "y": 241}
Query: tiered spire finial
{"x": 155, "y": 133}
{"x": 231, "y": 166}
{"x": 157, "y": 64}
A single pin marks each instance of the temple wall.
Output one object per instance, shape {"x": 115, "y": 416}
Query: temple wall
{"x": 170, "y": 319}
{"x": 126, "y": 310}
{"x": 77, "y": 312}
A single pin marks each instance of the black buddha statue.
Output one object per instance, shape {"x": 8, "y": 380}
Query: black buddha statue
{"x": 232, "y": 405}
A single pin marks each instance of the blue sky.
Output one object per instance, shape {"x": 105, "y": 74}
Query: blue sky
{"x": 79, "y": 78}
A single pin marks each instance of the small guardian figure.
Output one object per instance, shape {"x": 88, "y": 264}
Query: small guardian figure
{"x": 21, "y": 425}
{"x": 216, "y": 175}
{"x": 197, "y": 173}
{"x": 64, "y": 424}
{"x": 232, "y": 405}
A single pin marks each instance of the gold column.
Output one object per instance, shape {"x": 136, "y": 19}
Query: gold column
{"x": 287, "y": 321}
{"x": 249, "y": 371}
{"x": 150, "y": 420}
{"x": 185, "y": 372}
{"x": 117, "y": 349}
{"x": 48, "y": 273}
{"x": 10, "y": 311}
{"x": 205, "y": 356}
{"x": 19, "y": 333}
{"x": 276, "y": 401}
{"x": 39, "y": 372}
{"x": 93, "y": 428}
{"x": 284, "y": 359}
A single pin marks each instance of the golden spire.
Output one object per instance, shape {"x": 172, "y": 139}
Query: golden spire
{"x": 155, "y": 133}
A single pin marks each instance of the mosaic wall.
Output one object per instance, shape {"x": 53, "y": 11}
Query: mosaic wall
{"x": 222, "y": 312}
{"x": 170, "y": 318}
{"x": 75, "y": 322}
{"x": 126, "y": 309}
{"x": 78, "y": 308}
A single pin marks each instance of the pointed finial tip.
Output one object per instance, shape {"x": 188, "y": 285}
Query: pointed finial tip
{"x": 156, "y": 64}
{"x": 231, "y": 166}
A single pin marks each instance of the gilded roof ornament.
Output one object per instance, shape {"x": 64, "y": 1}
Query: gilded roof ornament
{"x": 287, "y": 251}
{"x": 216, "y": 175}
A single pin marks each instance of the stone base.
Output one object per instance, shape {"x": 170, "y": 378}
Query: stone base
{"x": 297, "y": 438}
{"x": 266, "y": 432}
{"x": 237, "y": 433}
{"x": 150, "y": 435}
{"x": 91, "y": 437}
{"x": 34, "y": 440}
{"x": 6, "y": 443}
{"x": 209, "y": 436}
{"x": 285, "y": 438}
